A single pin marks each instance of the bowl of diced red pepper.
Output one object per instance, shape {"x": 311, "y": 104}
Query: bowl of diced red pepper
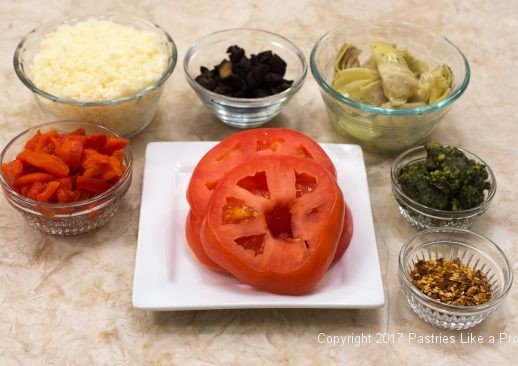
{"x": 66, "y": 177}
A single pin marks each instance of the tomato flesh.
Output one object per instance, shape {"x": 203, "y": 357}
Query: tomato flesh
{"x": 244, "y": 146}
{"x": 283, "y": 241}
{"x": 192, "y": 234}
{"x": 347, "y": 234}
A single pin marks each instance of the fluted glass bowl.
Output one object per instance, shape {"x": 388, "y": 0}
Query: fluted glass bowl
{"x": 473, "y": 250}
{"x": 423, "y": 217}
{"x": 127, "y": 115}
{"x": 69, "y": 218}
{"x": 244, "y": 112}
{"x": 379, "y": 129}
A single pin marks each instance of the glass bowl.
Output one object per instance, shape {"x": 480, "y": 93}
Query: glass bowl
{"x": 379, "y": 129}
{"x": 69, "y": 218}
{"x": 473, "y": 250}
{"x": 423, "y": 217}
{"x": 244, "y": 112}
{"x": 127, "y": 115}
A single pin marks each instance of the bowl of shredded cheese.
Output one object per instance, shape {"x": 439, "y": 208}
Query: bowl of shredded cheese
{"x": 107, "y": 69}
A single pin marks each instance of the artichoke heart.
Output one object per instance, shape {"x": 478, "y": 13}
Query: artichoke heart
{"x": 347, "y": 57}
{"x": 372, "y": 94}
{"x": 360, "y": 84}
{"x": 390, "y": 77}
{"x": 347, "y": 76}
{"x": 399, "y": 82}
{"x": 437, "y": 83}
{"x": 418, "y": 67}
{"x": 370, "y": 63}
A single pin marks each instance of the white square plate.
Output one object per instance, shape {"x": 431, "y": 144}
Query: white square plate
{"x": 169, "y": 277}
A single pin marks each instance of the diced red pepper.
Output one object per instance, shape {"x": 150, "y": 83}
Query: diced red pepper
{"x": 113, "y": 144}
{"x": 119, "y": 154}
{"x": 45, "y": 143}
{"x": 93, "y": 172}
{"x": 46, "y": 162}
{"x": 24, "y": 190}
{"x": 92, "y": 158}
{"x": 69, "y": 150}
{"x": 12, "y": 171}
{"x": 64, "y": 195}
{"x": 110, "y": 175}
{"x": 94, "y": 163}
{"x": 33, "y": 142}
{"x": 48, "y": 192}
{"x": 91, "y": 185}
{"x": 36, "y": 188}
{"x": 31, "y": 178}
{"x": 67, "y": 167}
{"x": 96, "y": 142}
{"x": 65, "y": 183}
{"x": 116, "y": 165}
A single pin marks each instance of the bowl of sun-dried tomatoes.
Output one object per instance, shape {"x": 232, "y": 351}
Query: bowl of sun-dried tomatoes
{"x": 245, "y": 76}
{"x": 66, "y": 177}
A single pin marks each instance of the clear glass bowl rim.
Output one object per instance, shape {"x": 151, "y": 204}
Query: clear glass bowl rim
{"x": 36, "y": 204}
{"x": 454, "y": 309}
{"x": 388, "y": 111}
{"x": 24, "y": 78}
{"x": 432, "y": 212}
{"x": 252, "y": 102}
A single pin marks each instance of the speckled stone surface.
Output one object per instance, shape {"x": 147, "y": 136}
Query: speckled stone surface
{"x": 67, "y": 301}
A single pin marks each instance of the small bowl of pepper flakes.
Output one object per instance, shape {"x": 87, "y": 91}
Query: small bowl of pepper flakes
{"x": 453, "y": 278}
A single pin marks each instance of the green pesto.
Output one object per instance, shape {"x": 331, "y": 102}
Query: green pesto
{"x": 446, "y": 180}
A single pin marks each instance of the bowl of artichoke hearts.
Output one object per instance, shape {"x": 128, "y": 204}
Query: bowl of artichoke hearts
{"x": 387, "y": 85}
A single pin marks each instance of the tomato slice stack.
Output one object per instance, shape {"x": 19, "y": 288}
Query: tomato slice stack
{"x": 265, "y": 207}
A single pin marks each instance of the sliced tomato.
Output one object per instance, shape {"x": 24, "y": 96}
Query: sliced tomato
{"x": 193, "y": 227}
{"x": 192, "y": 233}
{"x": 274, "y": 223}
{"x": 347, "y": 234}
{"x": 243, "y": 146}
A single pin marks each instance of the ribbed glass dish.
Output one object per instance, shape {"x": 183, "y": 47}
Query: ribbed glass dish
{"x": 473, "y": 250}
{"x": 68, "y": 218}
{"x": 423, "y": 217}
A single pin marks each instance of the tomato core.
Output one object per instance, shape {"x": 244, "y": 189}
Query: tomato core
{"x": 278, "y": 221}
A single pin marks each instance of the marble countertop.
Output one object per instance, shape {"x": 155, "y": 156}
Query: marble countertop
{"x": 67, "y": 300}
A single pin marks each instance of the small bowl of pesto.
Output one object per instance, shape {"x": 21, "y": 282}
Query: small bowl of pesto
{"x": 441, "y": 186}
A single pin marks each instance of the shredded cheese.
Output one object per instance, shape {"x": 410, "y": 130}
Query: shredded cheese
{"x": 98, "y": 60}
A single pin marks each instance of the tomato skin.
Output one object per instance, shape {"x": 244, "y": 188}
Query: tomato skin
{"x": 192, "y": 234}
{"x": 288, "y": 264}
{"x": 244, "y": 146}
{"x": 347, "y": 234}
